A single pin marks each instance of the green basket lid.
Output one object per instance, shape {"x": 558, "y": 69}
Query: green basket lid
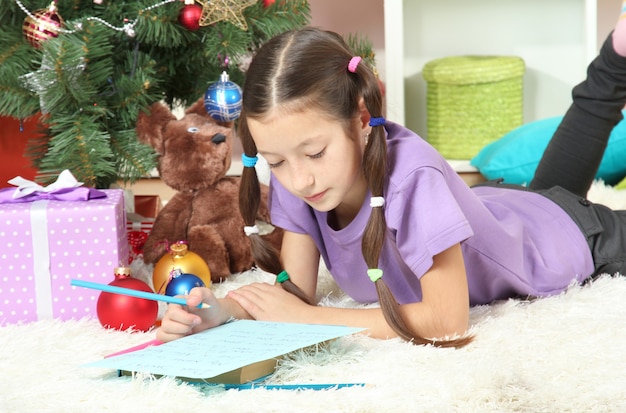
{"x": 464, "y": 70}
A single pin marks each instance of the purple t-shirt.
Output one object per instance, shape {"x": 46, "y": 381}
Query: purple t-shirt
{"x": 514, "y": 242}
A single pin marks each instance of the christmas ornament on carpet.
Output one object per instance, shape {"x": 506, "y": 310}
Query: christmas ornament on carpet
{"x": 214, "y": 11}
{"x": 179, "y": 260}
{"x": 189, "y": 16}
{"x": 122, "y": 312}
{"x": 42, "y": 25}
{"x": 181, "y": 284}
{"x": 222, "y": 99}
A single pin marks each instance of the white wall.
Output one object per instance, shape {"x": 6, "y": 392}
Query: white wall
{"x": 556, "y": 39}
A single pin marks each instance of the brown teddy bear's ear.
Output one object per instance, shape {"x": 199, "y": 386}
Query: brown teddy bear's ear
{"x": 150, "y": 125}
{"x": 199, "y": 109}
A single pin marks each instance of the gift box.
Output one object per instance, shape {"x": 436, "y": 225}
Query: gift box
{"x": 46, "y": 243}
{"x": 138, "y": 228}
{"x": 147, "y": 206}
{"x": 140, "y": 223}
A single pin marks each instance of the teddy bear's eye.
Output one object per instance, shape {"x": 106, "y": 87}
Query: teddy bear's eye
{"x": 193, "y": 129}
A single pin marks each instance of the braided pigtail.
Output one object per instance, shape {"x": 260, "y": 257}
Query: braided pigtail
{"x": 375, "y": 172}
{"x": 265, "y": 255}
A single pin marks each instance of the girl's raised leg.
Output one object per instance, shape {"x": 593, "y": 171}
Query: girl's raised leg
{"x": 573, "y": 155}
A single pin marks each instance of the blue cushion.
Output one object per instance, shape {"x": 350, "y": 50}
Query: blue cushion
{"x": 515, "y": 156}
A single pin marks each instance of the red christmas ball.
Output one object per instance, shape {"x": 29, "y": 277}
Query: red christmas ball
{"x": 189, "y": 16}
{"x": 122, "y": 312}
{"x": 44, "y": 24}
{"x": 267, "y": 3}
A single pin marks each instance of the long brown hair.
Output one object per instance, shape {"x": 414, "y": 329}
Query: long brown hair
{"x": 307, "y": 68}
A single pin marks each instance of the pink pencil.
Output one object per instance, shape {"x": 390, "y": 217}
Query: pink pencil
{"x": 138, "y": 347}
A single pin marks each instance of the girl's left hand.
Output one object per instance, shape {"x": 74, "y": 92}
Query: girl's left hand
{"x": 268, "y": 302}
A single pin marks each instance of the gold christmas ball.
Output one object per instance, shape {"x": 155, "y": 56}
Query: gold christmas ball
{"x": 44, "y": 24}
{"x": 179, "y": 260}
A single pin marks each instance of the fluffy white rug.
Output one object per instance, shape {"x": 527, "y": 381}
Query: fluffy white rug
{"x": 560, "y": 354}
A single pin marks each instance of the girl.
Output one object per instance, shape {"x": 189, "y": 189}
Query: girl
{"x": 390, "y": 218}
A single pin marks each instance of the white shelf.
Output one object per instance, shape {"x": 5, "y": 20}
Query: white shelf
{"x": 556, "y": 38}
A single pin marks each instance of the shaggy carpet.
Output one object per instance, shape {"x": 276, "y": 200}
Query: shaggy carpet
{"x": 560, "y": 354}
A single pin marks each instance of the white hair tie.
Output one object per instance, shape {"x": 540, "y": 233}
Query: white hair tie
{"x": 251, "y": 230}
{"x": 377, "y": 201}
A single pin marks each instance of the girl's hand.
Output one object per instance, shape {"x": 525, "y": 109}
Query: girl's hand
{"x": 267, "y": 302}
{"x": 180, "y": 321}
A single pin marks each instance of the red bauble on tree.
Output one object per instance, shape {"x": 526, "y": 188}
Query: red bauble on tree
{"x": 267, "y": 3}
{"x": 189, "y": 16}
{"x": 44, "y": 24}
{"x": 122, "y": 312}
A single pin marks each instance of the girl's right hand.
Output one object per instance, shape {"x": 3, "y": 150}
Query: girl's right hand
{"x": 180, "y": 321}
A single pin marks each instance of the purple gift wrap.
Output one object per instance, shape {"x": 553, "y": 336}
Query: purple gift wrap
{"x": 45, "y": 243}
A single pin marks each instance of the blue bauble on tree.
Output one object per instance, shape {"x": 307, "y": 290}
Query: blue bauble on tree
{"x": 222, "y": 99}
{"x": 181, "y": 284}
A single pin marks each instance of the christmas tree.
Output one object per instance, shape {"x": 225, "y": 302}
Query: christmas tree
{"x": 88, "y": 67}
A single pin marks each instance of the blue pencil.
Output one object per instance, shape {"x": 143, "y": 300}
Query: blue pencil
{"x": 133, "y": 293}
{"x": 324, "y": 386}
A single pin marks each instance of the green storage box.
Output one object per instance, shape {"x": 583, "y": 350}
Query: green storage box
{"x": 472, "y": 101}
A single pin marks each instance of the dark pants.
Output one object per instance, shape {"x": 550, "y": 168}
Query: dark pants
{"x": 604, "y": 229}
{"x": 572, "y": 158}
{"x": 573, "y": 155}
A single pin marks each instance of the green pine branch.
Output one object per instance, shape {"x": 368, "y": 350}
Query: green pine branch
{"x": 76, "y": 143}
{"x": 89, "y": 83}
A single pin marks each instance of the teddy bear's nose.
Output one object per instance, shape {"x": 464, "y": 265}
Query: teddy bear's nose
{"x": 218, "y": 138}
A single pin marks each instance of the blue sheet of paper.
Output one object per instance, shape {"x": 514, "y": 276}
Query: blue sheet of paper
{"x": 222, "y": 349}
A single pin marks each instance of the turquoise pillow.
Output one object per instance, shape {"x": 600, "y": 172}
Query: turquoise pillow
{"x": 515, "y": 156}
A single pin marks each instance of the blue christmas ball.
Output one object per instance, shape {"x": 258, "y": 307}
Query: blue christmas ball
{"x": 183, "y": 283}
{"x": 222, "y": 99}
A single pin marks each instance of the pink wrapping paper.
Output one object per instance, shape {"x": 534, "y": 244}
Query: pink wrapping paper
{"x": 44, "y": 244}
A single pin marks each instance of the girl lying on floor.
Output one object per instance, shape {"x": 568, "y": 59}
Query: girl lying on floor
{"x": 390, "y": 218}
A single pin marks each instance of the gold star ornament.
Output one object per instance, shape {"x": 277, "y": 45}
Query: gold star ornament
{"x": 214, "y": 11}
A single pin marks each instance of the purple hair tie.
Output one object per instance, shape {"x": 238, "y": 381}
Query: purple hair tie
{"x": 377, "y": 121}
{"x": 354, "y": 62}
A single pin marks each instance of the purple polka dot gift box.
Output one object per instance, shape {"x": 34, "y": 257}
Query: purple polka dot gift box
{"x": 49, "y": 236}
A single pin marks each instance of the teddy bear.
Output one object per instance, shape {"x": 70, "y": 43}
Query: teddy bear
{"x": 194, "y": 154}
